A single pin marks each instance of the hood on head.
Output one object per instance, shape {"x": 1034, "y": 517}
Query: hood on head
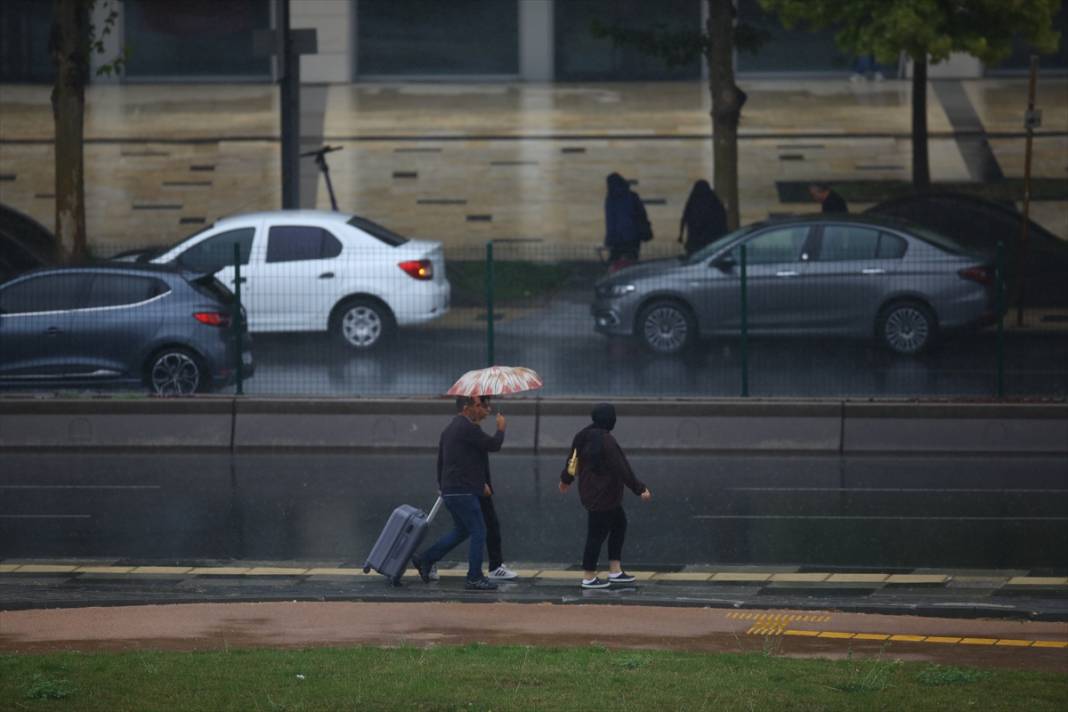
{"x": 604, "y": 415}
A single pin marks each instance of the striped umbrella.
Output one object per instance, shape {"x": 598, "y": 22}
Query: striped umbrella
{"x": 495, "y": 380}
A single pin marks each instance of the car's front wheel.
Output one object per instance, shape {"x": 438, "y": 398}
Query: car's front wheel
{"x": 906, "y": 328}
{"x": 666, "y": 327}
{"x": 175, "y": 371}
{"x": 363, "y": 324}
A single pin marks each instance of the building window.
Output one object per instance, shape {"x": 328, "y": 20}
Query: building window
{"x": 796, "y": 50}
{"x": 24, "y": 30}
{"x": 432, "y": 37}
{"x": 580, "y": 56}
{"x": 195, "y": 38}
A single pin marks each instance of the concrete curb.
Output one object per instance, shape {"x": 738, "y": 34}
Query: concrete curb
{"x": 534, "y": 425}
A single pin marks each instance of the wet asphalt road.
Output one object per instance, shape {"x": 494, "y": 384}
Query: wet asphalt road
{"x": 573, "y": 362}
{"x": 857, "y": 513}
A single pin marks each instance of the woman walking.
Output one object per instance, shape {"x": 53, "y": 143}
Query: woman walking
{"x": 703, "y": 219}
{"x": 602, "y": 470}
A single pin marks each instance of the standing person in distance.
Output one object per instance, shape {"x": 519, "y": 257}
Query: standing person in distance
{"x": 602, "y": 470}
{"x": 463, "y": 476}
{"x": 829, "y": 199}
{"x": 703, "y": 219}
{"x": 626, "y": 223}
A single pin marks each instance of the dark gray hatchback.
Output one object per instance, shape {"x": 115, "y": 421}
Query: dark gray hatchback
{"x": 119, "y": 324}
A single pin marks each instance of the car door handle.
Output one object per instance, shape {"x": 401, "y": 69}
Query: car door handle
{"x": 326, "y": 275}
{"x": 788, "y": 273}
{"x": 53, "y": 331}
{"x": 873, "y": 270}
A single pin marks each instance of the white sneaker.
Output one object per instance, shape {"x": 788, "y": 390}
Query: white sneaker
{"x": 434, "y": 575}
{"x": 502, "y": 573}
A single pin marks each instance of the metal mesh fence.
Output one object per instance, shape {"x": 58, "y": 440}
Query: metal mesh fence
{"x": 849, "y": 314}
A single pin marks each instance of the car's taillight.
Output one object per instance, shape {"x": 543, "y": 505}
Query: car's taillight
{"x": 418, "y": 269}
{"x": 212, "y": 318}
{"x": 982, "y": 275}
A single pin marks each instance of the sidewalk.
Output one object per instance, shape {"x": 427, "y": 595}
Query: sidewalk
{"x": 465, "y": 163}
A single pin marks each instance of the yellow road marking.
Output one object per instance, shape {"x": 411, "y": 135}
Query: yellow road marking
{"x": 682, "y": 577}
{"x": 836, "y": 634}
{"x": 220, "y": 570}
{"x": 557, "y": 574}
{"x": 8, "y": 568}
{"x": 325, "y": 571}
{"x": 978, "y": 641}
{"x": 917, "y": 578}
{"x": 1050, "y": 644}
{"x": 942, "y": 639}
{"x": 157, "y": 570}
{"x": 1014, "y": 643}
{"x": 1038, "y": 581}
{"x": 872, "y": 636}
{"x": 45, "y": 569}
{"x": 276, "y": 571}
{"x": 858, "y": 578}
{"x": 800, "y": 578}
{"x": 804, "y": 633}
{"x": 105, "y": 569}
{"x": 740, "y": 576}
{"x": 909, "y": 638}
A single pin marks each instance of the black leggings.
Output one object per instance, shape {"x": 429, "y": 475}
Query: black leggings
{"x": 611, "y": 523}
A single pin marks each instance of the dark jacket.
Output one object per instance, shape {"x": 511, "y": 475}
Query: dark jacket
{"x": 703, "y": 219}
{"x": 463, "y": 456}
{"x": 624, "y": 215}
{"x": 834, "y": 203}
{"x": 603, "y": 468}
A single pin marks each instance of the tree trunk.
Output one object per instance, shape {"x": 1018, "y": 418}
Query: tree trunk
{"x": 727, "y": 102}
{"x": 921, "y": 172}
{"x": 69, "y": 45}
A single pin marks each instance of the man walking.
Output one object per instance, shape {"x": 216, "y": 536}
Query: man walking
{"x": 463, "y": 479}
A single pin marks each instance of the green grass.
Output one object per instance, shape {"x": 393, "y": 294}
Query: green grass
{"x": 514, "y": 280}
{"x": 480, "y": 677}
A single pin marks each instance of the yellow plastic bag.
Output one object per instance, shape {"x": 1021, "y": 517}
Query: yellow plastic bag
{"x": 572, "y": 463}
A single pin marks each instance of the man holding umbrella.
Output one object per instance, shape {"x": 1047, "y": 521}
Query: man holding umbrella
{"x": 463, "y": 478}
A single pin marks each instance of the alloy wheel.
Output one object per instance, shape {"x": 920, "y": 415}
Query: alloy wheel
{"x": 361, "y": 326}
{"x": 175, "y": 373}
{"x": 906, "y": 329}
{"x": 665, "y": 328}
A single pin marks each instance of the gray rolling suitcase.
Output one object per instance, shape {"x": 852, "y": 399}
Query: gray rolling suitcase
{"x": 403, "y": 533}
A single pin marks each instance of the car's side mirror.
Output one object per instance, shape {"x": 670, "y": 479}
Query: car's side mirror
{"x": 724, "y": 263}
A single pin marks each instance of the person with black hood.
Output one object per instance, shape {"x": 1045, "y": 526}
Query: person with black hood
{"x": 602, "y": 470}
{"x": 626, "y": 222}
{"x": 703, "y": 219}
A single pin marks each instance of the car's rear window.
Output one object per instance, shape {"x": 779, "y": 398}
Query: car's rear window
{"x": 939, "y": 240}
{"x": 211, "y": 287}
{"x": 378, "y": 232}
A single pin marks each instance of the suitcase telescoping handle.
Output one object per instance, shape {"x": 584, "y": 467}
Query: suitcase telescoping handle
{"x": 434, "y": 510}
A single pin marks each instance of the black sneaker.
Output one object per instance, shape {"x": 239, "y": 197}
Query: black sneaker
{"x": 423, "y": 568}
{"x": 621, "y": 577}
{"x": 482, "y": 584}
{"x": 595, "y": 582}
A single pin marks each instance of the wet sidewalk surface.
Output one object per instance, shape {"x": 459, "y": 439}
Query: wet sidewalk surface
{"x": 827, "y": 633}
{"x": 1007, "y": 595}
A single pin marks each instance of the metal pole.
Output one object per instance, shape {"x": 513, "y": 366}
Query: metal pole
{"x": 237, "y": 323}
{"x": 745, "y": 328}
{"x": 489, "y": 303}
{"x": 999, "y": 305}
{"x": 1021, "y": 253}
{"x": 289, "y": 101}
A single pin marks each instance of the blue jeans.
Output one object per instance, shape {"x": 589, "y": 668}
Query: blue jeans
{"x": 466, "y": 522}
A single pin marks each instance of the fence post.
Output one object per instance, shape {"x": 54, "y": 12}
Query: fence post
{"x": 237, "y": 323}
{"x": 745, "y": 327}
{"x": 999, "y": 306}
{"x": 489, "y": 303}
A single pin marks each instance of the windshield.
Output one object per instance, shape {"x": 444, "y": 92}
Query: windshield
{"x": 377, "y": 231}
{"x": 719, "y": 243}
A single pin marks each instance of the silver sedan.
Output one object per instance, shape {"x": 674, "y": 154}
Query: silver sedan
{"x": 829, "y": 275}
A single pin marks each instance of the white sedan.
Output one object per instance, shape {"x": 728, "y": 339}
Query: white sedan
{"x": 311, "y": 270}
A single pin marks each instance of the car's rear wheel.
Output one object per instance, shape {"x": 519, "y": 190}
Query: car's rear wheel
{"x": 666, "y": 327}
{"x": 175, "y": 371}
{"x": 363, "y": 324}
{"x": 906, "y": 328}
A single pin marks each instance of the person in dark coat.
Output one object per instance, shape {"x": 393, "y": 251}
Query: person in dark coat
{"x": 626, "y": 222}
{"x": 463, "y": 478}
{"x": 602, "y": 471}
{"x": 831, "y": 201}
{"x": 703, "y": 219}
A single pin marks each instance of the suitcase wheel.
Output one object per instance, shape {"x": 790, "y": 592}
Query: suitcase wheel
{"x": 366, "y": 569}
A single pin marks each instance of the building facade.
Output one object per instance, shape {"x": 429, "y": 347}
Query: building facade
{"x": 418, "y": 40}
